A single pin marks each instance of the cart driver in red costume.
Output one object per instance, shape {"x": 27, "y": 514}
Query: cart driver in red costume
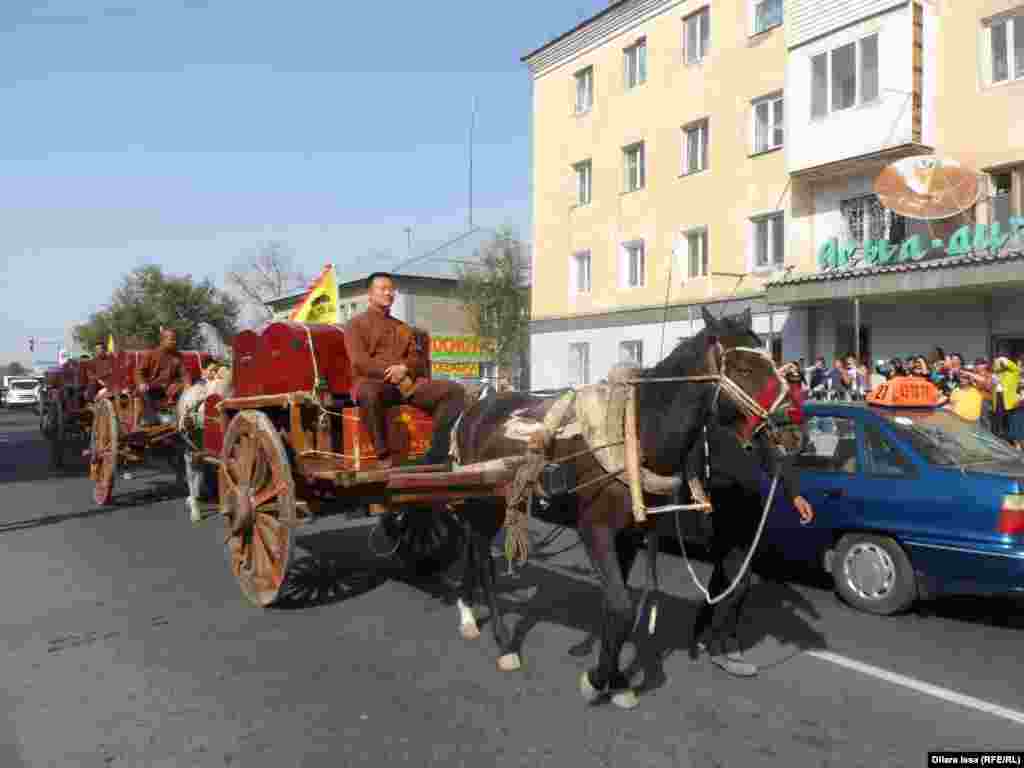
{"x": 388, "y": 370}
{"x": 161, "y": 376}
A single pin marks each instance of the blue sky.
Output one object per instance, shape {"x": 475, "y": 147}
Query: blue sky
{"x": 186, "y": 132}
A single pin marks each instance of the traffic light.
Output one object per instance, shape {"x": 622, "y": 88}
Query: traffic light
{"x": 31, "y": 344}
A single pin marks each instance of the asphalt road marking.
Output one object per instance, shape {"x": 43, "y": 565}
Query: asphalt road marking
{"x": 921, "y": 687}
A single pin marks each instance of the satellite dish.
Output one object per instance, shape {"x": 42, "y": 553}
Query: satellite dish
{"x": 927, "y": 188}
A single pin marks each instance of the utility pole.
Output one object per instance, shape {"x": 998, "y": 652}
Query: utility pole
{"x": 408, "y": 233}
{"x": 472, "y": 120}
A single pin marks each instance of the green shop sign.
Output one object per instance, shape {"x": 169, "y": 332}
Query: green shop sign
{"x": 981, "y": 237}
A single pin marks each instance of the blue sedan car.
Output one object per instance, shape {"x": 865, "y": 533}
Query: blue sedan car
{"x": 909, "y": 502}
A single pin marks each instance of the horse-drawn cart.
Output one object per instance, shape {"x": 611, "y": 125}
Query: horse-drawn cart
{"x": 290, "y": 448}
{"x": 65, "y": 416}
{"x": 117, "y": 434}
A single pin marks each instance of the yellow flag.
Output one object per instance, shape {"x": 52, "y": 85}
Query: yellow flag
{"x": 110, "y": 343}
{"x": 321, "y": 303}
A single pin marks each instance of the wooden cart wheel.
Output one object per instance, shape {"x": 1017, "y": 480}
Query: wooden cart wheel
{"x": 55, "y": 430}
{"x": 104, "y": 452}
{"x": 428, "y": 539}
{"x": 257, "y": 491}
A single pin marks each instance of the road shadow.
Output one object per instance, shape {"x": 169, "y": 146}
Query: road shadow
{"x": 157, "y": 492}
{"x": 333, "y": 566}
{"x": 563, "y": 598}
{"x": 1002, "y": 612}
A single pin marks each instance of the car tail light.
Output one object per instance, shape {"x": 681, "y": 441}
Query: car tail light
{"x": 1011, "y": 517}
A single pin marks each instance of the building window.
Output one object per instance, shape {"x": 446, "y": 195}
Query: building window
{"x": 633, "y": 157}
{"x": 695, "y": 147}
{"x": 633, "y": 264}
{"x": 767, "y": 14}
{"x": 999, "y": 201}
{"x": 864, "y": 218}
{"x": 844, "y": 77}
{"x": 769, "y": 241}
{"x": 1006, "y": 41}
{"x": 579, "y": 364}
{"x": 583, "y": 181}
{"x": 768, "y": 131}
{"x": 584, "y": 90}
{"x": 697, "y": 36}
{"x": 631, "y": 352}
{"x": 635, "y": 63}
{"x": 581, "y": 272}
{"x": 353, "y": 309}
{"x": 697, "y": 253}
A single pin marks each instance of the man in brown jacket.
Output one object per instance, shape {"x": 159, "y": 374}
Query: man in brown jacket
{"x": 162, "y": 375}
{"x": 388, "y": 370}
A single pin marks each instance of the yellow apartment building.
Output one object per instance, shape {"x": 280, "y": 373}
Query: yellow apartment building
{"x": 689, "y": 154}
{"x": 873, "y": 81}
{"x": 659, "y": 181}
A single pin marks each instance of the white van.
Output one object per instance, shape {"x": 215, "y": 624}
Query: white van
{"x": 21, "y": 392}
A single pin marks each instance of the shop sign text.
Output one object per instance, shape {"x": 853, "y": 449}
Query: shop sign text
{"x": 967, "y": 239}
{"x": 461, "y": 348}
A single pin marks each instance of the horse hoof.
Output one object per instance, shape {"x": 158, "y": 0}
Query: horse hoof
{"x": 469, "y": 631}
{"x": 509, "y": 662}
{"x": 625, "y": 699}
{"x": 589, "y": 692}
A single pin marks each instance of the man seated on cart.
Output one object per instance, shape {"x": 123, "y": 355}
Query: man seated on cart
{"x": 161, "y": 377}
{"x": 388, "y": 370}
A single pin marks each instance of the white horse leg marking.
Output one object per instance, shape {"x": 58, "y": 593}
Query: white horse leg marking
{"x": 467, "y": 621}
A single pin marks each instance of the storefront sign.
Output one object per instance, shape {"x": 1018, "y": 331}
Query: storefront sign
{"x": 455, "y": 370}
{"x": 463, "y": 349}
{"x": 981, "y": 237}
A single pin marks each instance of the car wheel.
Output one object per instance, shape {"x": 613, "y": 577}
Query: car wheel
{"x": 873, "y": 574}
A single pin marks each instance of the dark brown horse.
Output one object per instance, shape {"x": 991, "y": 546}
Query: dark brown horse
{"x": 671, "y": 416}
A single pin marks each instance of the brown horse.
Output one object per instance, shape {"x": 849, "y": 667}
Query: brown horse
{"x": 671, "y": 416}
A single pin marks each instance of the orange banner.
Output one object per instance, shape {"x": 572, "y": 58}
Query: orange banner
{"x": 455, "y": 370}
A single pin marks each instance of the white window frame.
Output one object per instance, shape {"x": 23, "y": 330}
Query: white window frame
{"x": 702, "y": 17}
{"x": 994, "y": 195}
{"x": 579, "y": 351}
{"x": 703, "y": 129}
{"x": 641, "y": 180}
{"x": 632, "y": 351}
{"x": 768, "y": 101}
{"x": 626, "y": 264}
{"x": 585, "y": 75}
{"x": 634, "y": 64}
{"x": 773, "y": 220}
{"x": 1013, "y": 24}
{"x": 584, "y": 171}
{"x": 696, "y": 236}
{"x": 754, "y": 5}
{"x": 574, "y": 273}
{"x": 858, "y": 75}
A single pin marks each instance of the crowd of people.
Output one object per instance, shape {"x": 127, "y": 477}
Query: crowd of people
{"x": 989, "y": 392}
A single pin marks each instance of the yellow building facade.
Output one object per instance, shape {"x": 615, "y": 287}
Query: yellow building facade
{"x": 689, "y": 154}
{"x": 653, "y": 180}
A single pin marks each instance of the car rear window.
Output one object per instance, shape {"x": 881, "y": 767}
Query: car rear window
{"x": 944, "y": 438}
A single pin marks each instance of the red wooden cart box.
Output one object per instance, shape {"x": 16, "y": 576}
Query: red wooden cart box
{"x": 409, "y": 431}
{"x": 281, "y": 361}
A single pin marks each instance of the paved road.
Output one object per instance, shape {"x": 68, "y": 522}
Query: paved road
{"x": 127, "y": 644}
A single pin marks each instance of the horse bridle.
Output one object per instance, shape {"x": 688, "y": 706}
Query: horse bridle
{"x": 747, "y": 405}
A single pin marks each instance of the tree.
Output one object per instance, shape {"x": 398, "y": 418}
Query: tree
{"x": 495, "y": 294}
{"x": 267, "y": 273}
{"x": 148, "y": 300}
{"x": 15, "y": 369}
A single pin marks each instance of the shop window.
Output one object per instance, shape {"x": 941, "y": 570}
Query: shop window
{"x": 864, "y": 218}
{"x": 999, "y": 200}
